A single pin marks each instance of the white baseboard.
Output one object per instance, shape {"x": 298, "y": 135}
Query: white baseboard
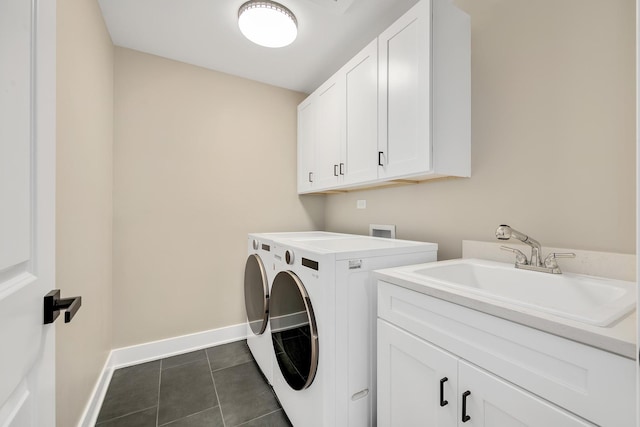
{"x": 91, "y": 411}
{"x": 135, "y": 354}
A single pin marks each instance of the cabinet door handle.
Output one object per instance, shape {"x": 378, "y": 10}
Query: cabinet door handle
{"x": 335, "y": 170}
{"x": 310, "y": 176}
{"x": 465, "y": 417}
{"x": 442, "y": 401}
{"x": 380, "y": 153}
{"x": 341, "y": 168}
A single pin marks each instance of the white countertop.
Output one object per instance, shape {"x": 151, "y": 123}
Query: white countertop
{"x": 619, "y": 338}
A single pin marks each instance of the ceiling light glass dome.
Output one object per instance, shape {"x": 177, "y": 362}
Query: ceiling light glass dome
{"x": 267, "y": 23}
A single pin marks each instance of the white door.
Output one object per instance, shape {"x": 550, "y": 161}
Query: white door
{"x": 638, "y": 198}
{"x": 417, "y": 381}
{"x": 493, "y": 402}
{"x": 27, "y": 208}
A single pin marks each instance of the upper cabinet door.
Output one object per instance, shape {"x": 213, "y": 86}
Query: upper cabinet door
{"x": 404, "y": 97}
{"x": 329, "y": 129}
{"x": 359, "y": 154}
{"x": 306, "y": 145}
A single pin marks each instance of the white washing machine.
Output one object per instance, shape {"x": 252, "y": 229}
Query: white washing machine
{"x": 258, "y": 277}
{"x": 323, "y": 324}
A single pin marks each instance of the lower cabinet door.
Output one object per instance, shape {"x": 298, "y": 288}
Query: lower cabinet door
{"x": 416, "y": 381}
{"x": 493, "y": 402}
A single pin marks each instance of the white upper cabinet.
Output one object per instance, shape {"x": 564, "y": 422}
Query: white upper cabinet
{"x": 405, "y": 107}
{"x": 425, "y": 93}
{"x": 329, "y": 127}
{"x": 359, "y": 154}
{"x": 399, "y": 110}
{"x": 338, "y": 128}
{"x": 306, "y": 145}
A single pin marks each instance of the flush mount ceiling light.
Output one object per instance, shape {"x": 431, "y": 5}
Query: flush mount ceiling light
{"x": 267, "y": 23}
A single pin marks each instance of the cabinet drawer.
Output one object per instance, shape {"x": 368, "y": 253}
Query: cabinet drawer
{"x": 592, "y": 383}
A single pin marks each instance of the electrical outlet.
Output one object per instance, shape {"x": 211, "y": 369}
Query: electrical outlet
{"x": 361, "y": 204}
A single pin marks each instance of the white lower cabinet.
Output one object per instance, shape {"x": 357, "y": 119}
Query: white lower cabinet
{"x": 440, "y": 362}
{"x": 420, "y": 384}
{"x": 494, "y": 402}
{"x": 417, "y": 382}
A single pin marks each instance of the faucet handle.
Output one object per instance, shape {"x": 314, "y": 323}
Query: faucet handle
{"x": 521, "y": 258}
{"x": 550, "y": 260}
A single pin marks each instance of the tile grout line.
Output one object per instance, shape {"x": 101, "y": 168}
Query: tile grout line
{"x": 124, "y": 415}
{"x": 186, "y": 363}
{"x": 261, "y": 416}
{"x": 231, "y": 366}
{"x": 224, "y": 424}
{"x": 188, "y": 416}
{"x": 159, "y": 384}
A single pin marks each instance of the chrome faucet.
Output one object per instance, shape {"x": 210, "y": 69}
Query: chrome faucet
{"x": 548, "y": 265}
{"x": 504, "y": 232}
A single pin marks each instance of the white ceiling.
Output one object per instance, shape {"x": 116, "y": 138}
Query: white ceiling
{"x": 205, "y": 33}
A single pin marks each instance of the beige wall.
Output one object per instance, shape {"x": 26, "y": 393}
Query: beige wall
{"x": 553, "y": 135}
{"x": 201, "y": 159}
{"x": 85, "y": 59}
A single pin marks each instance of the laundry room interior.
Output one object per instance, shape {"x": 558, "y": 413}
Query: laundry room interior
{"x": 170, "y": 172}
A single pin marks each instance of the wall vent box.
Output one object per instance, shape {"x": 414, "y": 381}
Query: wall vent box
{"x": 381, "y": 230}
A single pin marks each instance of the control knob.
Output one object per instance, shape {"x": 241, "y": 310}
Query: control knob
{"x": 289, "y": 257}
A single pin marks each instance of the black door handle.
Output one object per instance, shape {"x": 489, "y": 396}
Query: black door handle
{"x": 442, "y": 401}
{"x": 53, "y": 304}
{"x": 335, "y": 170}
{"x": 380, "y": 153}
{"x": 341, "y": 168}
{"x": 465, "y": 417}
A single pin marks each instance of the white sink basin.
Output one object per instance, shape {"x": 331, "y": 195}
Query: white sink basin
{"x": 592, "y": 300}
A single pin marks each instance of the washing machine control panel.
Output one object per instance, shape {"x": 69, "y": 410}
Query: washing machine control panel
{"x": 289, "y": 257}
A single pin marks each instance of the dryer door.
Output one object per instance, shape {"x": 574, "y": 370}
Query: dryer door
{"x": 256, "y": 294}
{"x": 293, "y": 330}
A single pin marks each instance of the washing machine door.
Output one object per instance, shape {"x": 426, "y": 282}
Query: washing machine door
{"x": 293, "y": 330}
{"x": 256, "y": 294}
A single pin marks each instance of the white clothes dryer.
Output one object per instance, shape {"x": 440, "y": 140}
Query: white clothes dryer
{"x": 258, "y": 278}
{"x": 323, "y": 323}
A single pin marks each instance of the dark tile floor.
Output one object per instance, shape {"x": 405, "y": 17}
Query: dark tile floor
{"x": 217, "y": 387}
